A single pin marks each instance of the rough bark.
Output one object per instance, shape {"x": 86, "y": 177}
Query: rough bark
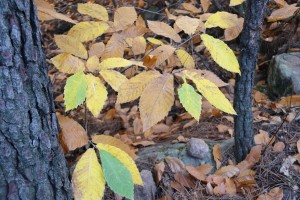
{"x": 249, "y": 45}
{"x": 32, "y": 165}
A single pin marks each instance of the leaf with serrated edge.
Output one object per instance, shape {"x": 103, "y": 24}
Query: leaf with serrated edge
{"x": 85, "y": 31}
{"x": 186, "y": 60}
{"x": 161, "y": 28}
{"x": 113, "y": 78}
{"x": 75, "y": 91}
{"x": 190, "y": 100}
{"x": 162, "y": 53}
{"x": 134, "y": 87}
{"x": 96, "y": 94}
{"x": 211, "y": 92}
{"x": 88, "y": 180}
{"x": 156, "y": 100}
{"x": 71, "y": 45}
{"x": 222, "y": 20}
{"x": 67, "y": 63}
{"x": 221, "y": 53}
{"x": 94, "y": 10}
{"x": 115, "y": 47}
{"x": 125, "y": 159}
{"x": 111, "y": 63}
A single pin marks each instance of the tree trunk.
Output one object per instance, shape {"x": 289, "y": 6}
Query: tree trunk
{"x": 32, "y": 165}
{"x": 249, "y": 46}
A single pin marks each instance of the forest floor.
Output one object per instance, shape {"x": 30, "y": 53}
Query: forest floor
{"x": 276, "y": 123}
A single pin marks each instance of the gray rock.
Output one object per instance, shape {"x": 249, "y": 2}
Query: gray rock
{"x": 148, "y": 191}
{"x": 197, "y": 148}
{"x": 284, "y": 75}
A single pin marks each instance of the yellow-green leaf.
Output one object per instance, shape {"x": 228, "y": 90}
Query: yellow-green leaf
{"x": 88, "y": 180}
{"x": 186, "y": 60}
{"x": 94, "y": 10}
{"x": 211, "y": 92}
{"x": 92, "y": 64}
{"x": 221, "y": 53}
{"x": 85, "y": 31}
{"x": 156, "y": 100}
{"x": 113, "y": 78}
{"x": 134, "y": 87}
{"x": 96, "y": 94}
{"x": 111, "y": 63}
{"x": 71, "y": 45}
{"x": 222, "y": 20}
{"x": 124, "y": 158}
{"x": 236, "y": 2}
{"x": 75, "y": 91}
{"x": 190, "y": 100}
{"x": 155, "y": 41}
{"x": 67, "y": 63}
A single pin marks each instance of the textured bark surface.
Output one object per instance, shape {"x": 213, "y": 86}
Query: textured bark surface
{"x": 249, "y": 46}
{"x": 32, "y": 165}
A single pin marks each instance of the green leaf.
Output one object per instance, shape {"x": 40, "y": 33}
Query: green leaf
{"x": 190, "y": 100}
{"x": 75, "y": 91}
{"x": 116, "y": 175}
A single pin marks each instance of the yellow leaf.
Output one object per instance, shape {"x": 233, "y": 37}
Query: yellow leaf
{"x": 222, "y": 20}
{"x": 187, "y": 24}
{"x": 163, "y": 29}
{"x": 71, "y": 45}
{"x": 125, "y": 159}
{"x": 124, "y": 17}
{"x": 155, "y": 41}
{"x": 113, "y": 78}
{"x": 96, "y": 94}
{"x": 92, "y": 64}
{"x": 88, "y": 181}
{"x": 211, "y": 92}
{"x": 105, "y": 139}
{"x": 93, "y": 10}
{"x": 111, "y": 63}
{"x": 85, "y": 31}
{"x": 221, "y": 53}
{"x": 134, "y": 87}
{"x": 236, "y": 2}
{"x": 156, "y": 100}
{"x": 162, "y": 53}
{"x": 67, "y": 63}
{"x": 186, "y": 60}
{"x": 138, "y": 45}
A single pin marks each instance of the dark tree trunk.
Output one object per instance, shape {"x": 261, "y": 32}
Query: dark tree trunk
{"x": 32, "y": 165}
{"x": 249, "y": 46}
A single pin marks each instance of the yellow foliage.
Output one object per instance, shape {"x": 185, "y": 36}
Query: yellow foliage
{"x": 85, "y": 31}
{"x": 221, "y": 53}
{"x": 71, "y": 45}
{"x": 67, "y": 63}
{"x": 88, "y": 181}
{"x": 125, "y": 159}
{"x": 236, "y": 2}
{"x": 96, "y": 94}
{"x": 222, "y": 20}
{"x": 94, "y": 10}
{"x": 186, "y": 60}
{"x": 111, "y": 63}
{"x": 156, "y": 100}
{"x": 113, "y": 78}
{"x": 92, "y": 64}
{"x": 155, "y": 41}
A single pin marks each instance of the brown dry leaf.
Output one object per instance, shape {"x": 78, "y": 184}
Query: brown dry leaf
{"x": 148, "y": 133}
{"x": 138, "y": 45}
{"x": 229, "y": 118}
{"x": 253, "y": 157}
{"x": 137, "y": 126}
{"x": 190, "y": 123}
{"x": 228, "y": 171}
{"x": 205, "y": 4}
{"x": 160, "y": 128}
{"x": 283, "y": 13}
{"x": 143, "y": 143}
{"x": 169, "y": 15}
{"x": 281, "y": 3}
{"x": 134, "y": 31}
{"x": 159, "y": 170}
{"x": 278, "y": 147}
{"x": 175, "y": 164}
{"x": 233, "y": 32}
{"x": 67, "y": 63}
{"x": 187, "y": 24}
{"x": 275, "y": 119}
{"x": 123, "y": 17}
{"x": 209, "y": 189}
{"x": 274, "y": 194}
{"x": 162, "y": 53}
{"x": 298, "y": 146}
{"x": 220, "y": 189}
{"x": 71, "y": 45}
{"x": 140, "y": 21}
{"x": 290, "y": 117}
{"x": 180, "y": 138}
{"x": 163, "y": 29}
{"x": 105, "y": 139}
{"x": 115, "y": 47}
{"x": 149, "y": 61}
{"x": 262, "y": 138}
{"x": 217, "y": 155}
{"x": 96, "y": 49}
{"x": 290, "y": 101}
{"x": 222, "y": 128}
{"x": 72, "y": 134}
{"x": 246, "y": 177}
{"x": 190, "y": 7}
{"x": 260, "y": 97}
{"x": 200, "y": 171}
{"x": 230, "y": 187}
{"x": 177, "y": 186}
{"x": 184, "y": 179}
